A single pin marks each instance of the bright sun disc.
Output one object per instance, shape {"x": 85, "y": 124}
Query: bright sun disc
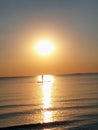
{"x": 44, "y": 47}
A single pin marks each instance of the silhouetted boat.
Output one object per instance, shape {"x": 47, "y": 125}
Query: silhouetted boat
{"x": 43, "y": 80}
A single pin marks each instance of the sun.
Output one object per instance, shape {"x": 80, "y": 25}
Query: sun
{"x": 44, "y": 47}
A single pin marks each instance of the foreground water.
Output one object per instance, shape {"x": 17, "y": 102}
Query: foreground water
{"x": 59, "y": 103}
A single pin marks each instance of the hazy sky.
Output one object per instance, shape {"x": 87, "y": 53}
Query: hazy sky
{"x": 72, "y": 26}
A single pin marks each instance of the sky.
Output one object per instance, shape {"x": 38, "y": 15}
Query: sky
{"x": 71, "y": 25}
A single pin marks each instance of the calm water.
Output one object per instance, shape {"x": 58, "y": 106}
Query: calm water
{"x": 60, "y": 102}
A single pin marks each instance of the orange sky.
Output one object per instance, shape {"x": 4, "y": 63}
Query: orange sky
{"x": 71, "y": 27}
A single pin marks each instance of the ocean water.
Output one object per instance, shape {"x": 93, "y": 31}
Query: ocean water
{"x": 67, "y": 102}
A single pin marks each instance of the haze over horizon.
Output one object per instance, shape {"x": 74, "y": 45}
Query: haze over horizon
{"x": 72, "y": 27}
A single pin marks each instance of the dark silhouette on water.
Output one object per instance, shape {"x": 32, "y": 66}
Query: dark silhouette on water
{"x": 42, "y": 78}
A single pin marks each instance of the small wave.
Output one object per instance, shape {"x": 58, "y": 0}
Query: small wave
{"x": 78, "y": 99}
{"x": 73, "y": 107}
{"x": 90, "y": 116}
{"x": 18, "y": 105}
{"x": 43, "y": 125}
{"x": 36, "y": 110}
{"x": 92, "y": 126}
{"x": 12, "y": 114}
{"x": 40, "y": 110}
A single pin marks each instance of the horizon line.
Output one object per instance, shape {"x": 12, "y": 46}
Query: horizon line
{"x": 49, "y": 74}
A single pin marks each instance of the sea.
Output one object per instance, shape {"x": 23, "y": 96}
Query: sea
{"x": 54, "y": 102}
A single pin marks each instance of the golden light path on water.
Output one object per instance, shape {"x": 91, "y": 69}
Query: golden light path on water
{"x": 47, "y": 93}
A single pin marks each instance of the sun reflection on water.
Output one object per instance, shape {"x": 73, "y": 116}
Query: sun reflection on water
{"x": 47, "y": 116}
{"x": 46, "y": 78}
{"x": 47, "y": 97}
